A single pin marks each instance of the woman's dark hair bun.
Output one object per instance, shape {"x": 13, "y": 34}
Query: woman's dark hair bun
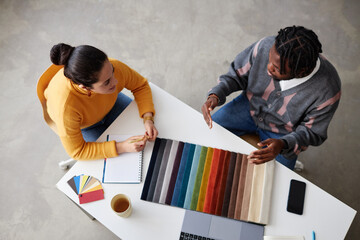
{"x": 60, "y": 53}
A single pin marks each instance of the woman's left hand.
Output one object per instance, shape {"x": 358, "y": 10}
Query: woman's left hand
{"x": 151, "y": 130}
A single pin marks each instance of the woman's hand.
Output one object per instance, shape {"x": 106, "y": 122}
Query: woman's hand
{"x": 132, "y": 144}
{"x": 272, "y": 149}
{"x": 207, "y": 107}
{"x": 151, "y": 131}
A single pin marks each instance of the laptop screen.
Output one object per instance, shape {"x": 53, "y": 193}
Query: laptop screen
{"x": 215, "y": 227}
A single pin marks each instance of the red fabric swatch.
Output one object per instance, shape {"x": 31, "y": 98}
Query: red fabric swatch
{"x": 222, "y": 183}
{"x": 212, "y": 180}
{"x": 91, "y": 196}
{"x": 217, "y": 186}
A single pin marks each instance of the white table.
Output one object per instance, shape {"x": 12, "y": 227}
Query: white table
{"x": 324, "y": 214}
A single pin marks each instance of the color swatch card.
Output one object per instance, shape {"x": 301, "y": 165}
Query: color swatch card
{"x": 87, "y": 188}
{"x": 208, "y": 180}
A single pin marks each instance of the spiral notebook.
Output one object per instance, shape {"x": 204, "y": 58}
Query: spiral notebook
{"x": 125, "y": 168}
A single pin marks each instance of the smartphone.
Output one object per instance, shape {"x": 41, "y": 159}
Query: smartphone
{"x": 296, "y": 197}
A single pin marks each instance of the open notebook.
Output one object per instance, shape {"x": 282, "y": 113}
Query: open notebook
{"x": 125, "y": 168}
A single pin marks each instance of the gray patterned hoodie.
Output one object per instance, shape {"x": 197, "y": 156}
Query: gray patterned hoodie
{"x": 302, "y": 113}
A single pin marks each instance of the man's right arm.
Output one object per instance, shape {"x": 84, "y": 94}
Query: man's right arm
{"x": 237, "y": 77}
{"x": 234, "y": 80}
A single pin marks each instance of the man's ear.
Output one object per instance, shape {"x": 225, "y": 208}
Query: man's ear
{"x": 303, "y": 73}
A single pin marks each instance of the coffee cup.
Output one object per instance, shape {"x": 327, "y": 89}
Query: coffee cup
{"x": 121, "y": 205}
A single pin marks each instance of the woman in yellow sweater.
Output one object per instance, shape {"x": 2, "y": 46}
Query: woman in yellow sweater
{"x": 81, "y": 96}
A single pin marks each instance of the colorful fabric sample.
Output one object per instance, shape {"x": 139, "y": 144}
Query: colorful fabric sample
{"x": 209, "y": 180}
{"x": 87, "y": 188}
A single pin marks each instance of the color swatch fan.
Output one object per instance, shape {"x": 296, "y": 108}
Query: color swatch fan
{"x": 88, "y": 188}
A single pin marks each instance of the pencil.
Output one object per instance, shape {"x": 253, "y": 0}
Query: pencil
{"x": 138, "y": 140}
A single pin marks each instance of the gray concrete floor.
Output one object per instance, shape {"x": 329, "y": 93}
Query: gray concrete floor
{"x": 182, "y": 46}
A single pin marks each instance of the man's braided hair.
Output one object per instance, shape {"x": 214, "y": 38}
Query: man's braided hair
{"x": 300, "y": 46}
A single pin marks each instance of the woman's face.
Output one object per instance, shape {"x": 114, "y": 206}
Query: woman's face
{"x": 107, "y": 82}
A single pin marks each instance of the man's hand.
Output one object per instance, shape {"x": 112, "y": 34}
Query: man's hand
{"x": 272, "y": 148}
{"x": 207, "y": 107}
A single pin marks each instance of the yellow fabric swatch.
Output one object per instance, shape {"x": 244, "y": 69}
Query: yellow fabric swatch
{"x": 84, "y": 178}
{"x": 91, "y": 183}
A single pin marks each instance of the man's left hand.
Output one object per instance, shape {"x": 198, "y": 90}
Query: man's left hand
{"x": 272, "y": 148}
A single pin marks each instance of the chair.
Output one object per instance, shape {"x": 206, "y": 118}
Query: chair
{"x": 42, "y": 84}
{"x": 66, "y": 163}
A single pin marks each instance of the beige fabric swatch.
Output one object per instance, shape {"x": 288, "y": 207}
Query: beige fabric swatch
{"x": 247, "y": 192}
{"x": 267, "y": 191}
{"x": 256, "y": 193}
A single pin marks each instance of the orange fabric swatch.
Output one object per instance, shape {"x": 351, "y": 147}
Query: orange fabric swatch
{"x": 213, "y": 186}
{"x": 204, "y": 180}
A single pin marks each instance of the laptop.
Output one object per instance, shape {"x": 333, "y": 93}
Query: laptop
{"x": 202, "y": 226}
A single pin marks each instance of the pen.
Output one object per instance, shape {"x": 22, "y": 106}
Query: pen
{"x": 313, "y": 235}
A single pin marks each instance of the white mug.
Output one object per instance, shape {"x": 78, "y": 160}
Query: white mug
{"x": 121, "y": 205}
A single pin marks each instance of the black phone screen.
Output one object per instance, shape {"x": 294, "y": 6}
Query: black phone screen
{"x": 296, "y": 197}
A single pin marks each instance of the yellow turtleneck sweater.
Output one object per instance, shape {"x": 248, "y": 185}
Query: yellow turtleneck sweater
{"x": 68, "y": 108}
